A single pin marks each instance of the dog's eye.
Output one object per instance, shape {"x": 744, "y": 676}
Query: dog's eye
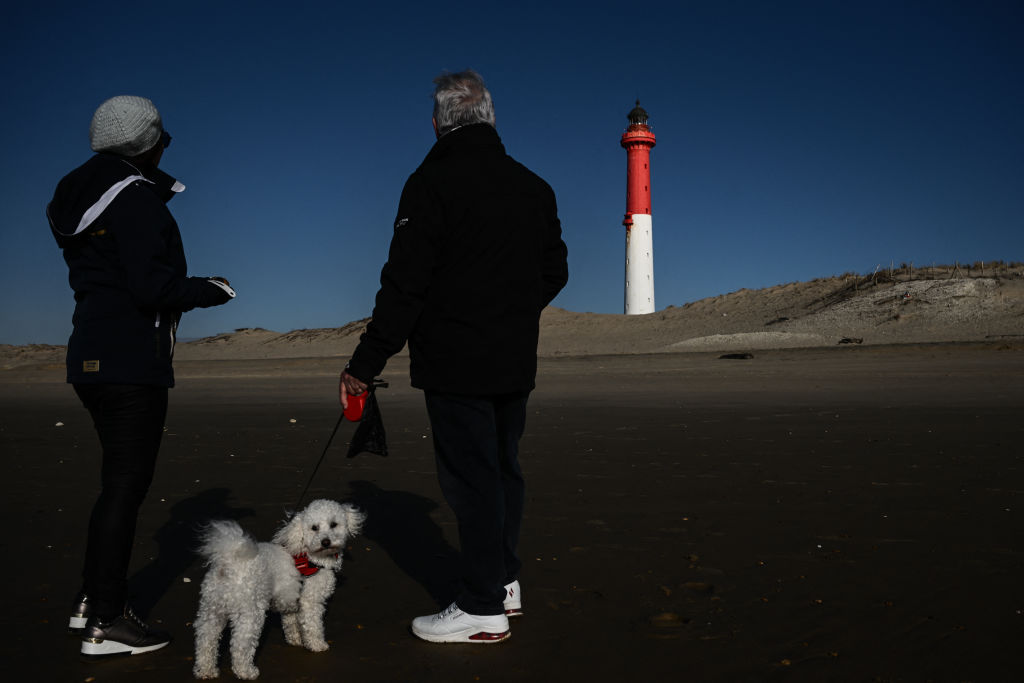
{"x": 334, "y": 524}
{"x": 315, "y": 527}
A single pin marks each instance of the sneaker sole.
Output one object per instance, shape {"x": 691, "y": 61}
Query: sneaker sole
{"x": 514, "y": 612}
{"x": 104, "y": 648}
{"x": 469, "y": 636}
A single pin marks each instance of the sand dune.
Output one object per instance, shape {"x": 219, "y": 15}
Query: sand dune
{"x": 903, "y": 306}
{"x": 822, "y": 312}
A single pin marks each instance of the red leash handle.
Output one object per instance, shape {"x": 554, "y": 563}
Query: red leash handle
{"x": 354, "y": 411}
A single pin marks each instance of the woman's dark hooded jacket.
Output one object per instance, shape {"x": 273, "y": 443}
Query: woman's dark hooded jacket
{"x": 127, "y": 268}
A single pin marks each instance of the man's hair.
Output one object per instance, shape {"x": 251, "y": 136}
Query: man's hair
{"x": 461, "y": 99}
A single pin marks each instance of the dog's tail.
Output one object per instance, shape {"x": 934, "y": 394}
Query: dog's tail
{"x": 224, "y": 540}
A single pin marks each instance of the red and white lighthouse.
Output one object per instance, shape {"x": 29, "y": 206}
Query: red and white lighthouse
{"x": 638, "y": 140}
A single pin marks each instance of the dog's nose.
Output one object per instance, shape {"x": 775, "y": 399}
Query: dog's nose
{"x": 325, "y": 542}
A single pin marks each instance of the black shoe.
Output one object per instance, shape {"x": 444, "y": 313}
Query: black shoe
{"x": 81, "y": 610}
{"x": 124, "y": 634}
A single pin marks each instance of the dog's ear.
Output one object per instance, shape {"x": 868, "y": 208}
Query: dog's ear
{"x": 290, "y": 535}
{"x": 354, "y": 518}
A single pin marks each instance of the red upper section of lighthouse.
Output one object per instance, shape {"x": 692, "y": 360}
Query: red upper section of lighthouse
{"x": 638, "y": 140}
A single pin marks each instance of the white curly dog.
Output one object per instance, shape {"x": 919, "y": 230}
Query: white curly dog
{"x": 294, "y": 576}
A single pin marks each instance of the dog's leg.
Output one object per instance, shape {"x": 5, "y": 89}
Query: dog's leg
{"x": 290, "y": 623}
{"x": 246, "y": 628}
{"x": 312, "y": 605}
{"x": 311, "y": 620}
{"x": 208, "y": 627}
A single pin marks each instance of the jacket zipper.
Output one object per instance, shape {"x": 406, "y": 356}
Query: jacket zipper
{"x": 171, "y": 329}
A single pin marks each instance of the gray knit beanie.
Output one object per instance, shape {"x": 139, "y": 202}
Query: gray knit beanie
{"x": 125, "y": 125}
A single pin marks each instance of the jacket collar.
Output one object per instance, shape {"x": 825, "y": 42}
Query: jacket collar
{"x": 480, "y": 135}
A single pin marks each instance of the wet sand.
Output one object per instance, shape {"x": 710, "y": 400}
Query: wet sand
{"x": 840, "y": 514}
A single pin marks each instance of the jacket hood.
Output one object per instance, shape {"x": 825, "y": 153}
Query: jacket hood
{"x": 84, "y": 194}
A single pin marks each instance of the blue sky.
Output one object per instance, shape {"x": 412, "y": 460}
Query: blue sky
{"x": 795, "y": 139}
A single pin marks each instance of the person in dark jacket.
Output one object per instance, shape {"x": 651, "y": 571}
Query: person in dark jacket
{"x": 126, "y": 265}
{"x": 476, "y": 255}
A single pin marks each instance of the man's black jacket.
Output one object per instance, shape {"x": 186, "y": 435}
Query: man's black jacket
{"x": 476, "y": 255}
{"x": 126, "y": 265}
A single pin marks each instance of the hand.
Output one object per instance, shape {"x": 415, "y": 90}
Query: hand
{"x": 349, "y": 385}
{"x": 226, "y": 293}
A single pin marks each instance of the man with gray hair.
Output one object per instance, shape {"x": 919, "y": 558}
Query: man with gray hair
{"x": 477, "y": 254}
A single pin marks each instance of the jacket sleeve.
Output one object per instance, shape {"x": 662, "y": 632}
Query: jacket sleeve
{"x": 554, "y": 259}
{"x": 404, "y": 280}
{"x": 147, "y": 240}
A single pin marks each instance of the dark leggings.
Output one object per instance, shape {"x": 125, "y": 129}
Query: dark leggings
{"x": 129, "y": 420}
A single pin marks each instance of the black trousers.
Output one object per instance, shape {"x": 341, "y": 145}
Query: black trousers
{"x": 476, "y": 445}
{"x": 129, "y": 420}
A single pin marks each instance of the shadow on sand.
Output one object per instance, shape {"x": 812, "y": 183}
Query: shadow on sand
{"x": 400, "y": 523}
{"x": 177, "y": 541}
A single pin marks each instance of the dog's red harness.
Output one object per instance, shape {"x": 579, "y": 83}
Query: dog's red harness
{"x": 304, "y": 566}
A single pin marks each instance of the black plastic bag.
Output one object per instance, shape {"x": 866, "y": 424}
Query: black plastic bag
{"x": 369, "y": 436}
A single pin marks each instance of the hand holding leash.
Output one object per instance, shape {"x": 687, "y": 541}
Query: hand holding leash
{"x": 349, "y": 386}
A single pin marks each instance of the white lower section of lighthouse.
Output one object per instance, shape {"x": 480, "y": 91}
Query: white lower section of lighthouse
{"x": 639, "y": 266}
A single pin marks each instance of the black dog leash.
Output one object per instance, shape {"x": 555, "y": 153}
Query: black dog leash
{"x": 320, "y": 461}
{"x": 377, "y": 383}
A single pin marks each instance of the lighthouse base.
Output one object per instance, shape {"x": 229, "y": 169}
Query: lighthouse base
{"x": 639, "y": 297}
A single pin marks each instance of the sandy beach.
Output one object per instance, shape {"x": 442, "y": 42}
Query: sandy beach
{"x": 815, "y": 511}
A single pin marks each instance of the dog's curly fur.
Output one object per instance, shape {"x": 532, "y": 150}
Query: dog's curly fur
{"x": 246, "y": 578}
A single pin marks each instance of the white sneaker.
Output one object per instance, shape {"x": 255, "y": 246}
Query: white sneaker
{"x": 455, "y": 626}
{"x": 513, "y": 600}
